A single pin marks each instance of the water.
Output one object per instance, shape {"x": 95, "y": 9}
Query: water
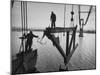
{"x": 49, "y": 59}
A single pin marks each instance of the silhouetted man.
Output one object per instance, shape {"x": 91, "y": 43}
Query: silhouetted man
{"x": 53, "y": 19}
{"x": 29, "y": 38}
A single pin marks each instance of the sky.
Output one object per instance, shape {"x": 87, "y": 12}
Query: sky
{"x": 38, "y": 15}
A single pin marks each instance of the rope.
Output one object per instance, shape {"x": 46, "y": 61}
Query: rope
{"x": 26, "y": 18}
{"x": 64, "y": 17}
{"x": 64, "y": 14}
{"x": 22, "y": 16}
{"x": 79, "y": 15}
{"x": 72, "y": 14}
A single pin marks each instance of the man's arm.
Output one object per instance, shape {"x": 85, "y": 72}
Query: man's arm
{"x": 35, "y": 36}
{"x": 23, "y": 36}
{"x": 55, "y": 17}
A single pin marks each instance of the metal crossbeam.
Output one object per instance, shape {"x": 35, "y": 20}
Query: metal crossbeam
{"x": 60, "y": 29}
{"x": 50, "y": 36}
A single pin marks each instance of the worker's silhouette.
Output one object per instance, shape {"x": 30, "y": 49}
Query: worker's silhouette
{"x": 53, "y": 19}
{"x": 29, "y": 38}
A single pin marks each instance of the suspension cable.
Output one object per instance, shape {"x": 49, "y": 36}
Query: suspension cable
{"x": 64, "y": 17}
{"x": 26, "y": 18}
{"x": 22, "y": 16}
{"x": 88, "y": 15}
{"x": 64, "y": 14}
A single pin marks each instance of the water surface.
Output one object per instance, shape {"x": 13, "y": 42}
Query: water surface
{"x": 49, "y": 58}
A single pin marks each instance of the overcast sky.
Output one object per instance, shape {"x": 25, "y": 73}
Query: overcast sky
{"x": 39, "y": 15}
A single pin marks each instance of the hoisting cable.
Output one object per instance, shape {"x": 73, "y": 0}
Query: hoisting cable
{"x": 72, "y": 13}
{"x": 79, "y": 15}
{"x": 22, "y": 16}
{"x": 21, "y": 46}
{"x": 26, "y": 19}
{"x": 22, "y": 40}
{"x": 64, "y": 18}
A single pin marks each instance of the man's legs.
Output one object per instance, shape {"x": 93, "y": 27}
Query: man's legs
{"x": 30, "y": 45}
{"x": 51, "y": 24}
{"x": 54, "y": 24}
{"x": 26, "y": 46}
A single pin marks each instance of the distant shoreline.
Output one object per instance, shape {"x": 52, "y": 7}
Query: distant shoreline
{"x": 41, "y": 30}
{"x": 88, "y": 31}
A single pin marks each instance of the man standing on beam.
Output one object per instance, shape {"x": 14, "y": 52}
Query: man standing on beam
{"x": 53, "y": 19}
